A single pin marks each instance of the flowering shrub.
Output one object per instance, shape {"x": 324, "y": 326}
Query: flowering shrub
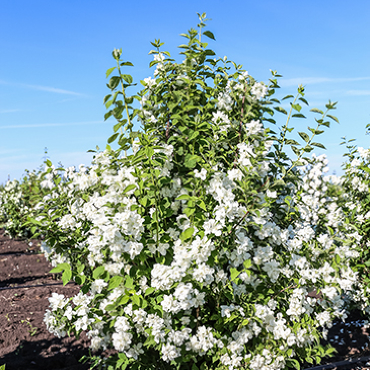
{"x": 352, "y": 194}
{"x": 18, "y": 202}
{"x": 199, "y": 243}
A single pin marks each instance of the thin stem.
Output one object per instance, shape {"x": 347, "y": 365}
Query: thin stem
{"x": 126, "y": 106}
{"x": 241, "y": 118}
{"x": 156, "y": 202}
{"x": 285, "y": 128}
{"x": 308, "y": 143}
{"x": 240, "y": 221}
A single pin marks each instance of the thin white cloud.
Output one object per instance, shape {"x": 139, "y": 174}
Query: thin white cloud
{"x": 8, "y": 151}
{"x": 42, "y": 88}
{"x": 358, "y": 92}
{"x": 35, "y": 125}
{"x": 318, "y": 80}
{"x": 9, "y": 110}
{"x": 52, "y": 89}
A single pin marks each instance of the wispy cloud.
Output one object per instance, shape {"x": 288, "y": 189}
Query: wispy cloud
{"x": 9, "y": 110}
{"x": 42, "y": 88}
{"x": 319, "y": 80}
{"x": 35, "y": 125}
{"x": 52, "y": 89}
{"x": 358, "y": 92}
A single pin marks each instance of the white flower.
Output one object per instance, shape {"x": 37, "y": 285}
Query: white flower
{"x": 201, "y": 175}
{"x": 57, "y": 301}
{"x": 235, "y": 174}
{"x": 68, "y": 313}
{"x": 259, "y": 90}
{"x": 324, "y": 319}
{"x": 212, "y": 227}
{"x": 243, "y": 76}
{"x": 150, "y": 82}
{"x": 254, "y": 127}
{"x": 271, "y": 194}
{"x": 225, "y": 101}
{"x": 97, "y": 286}
{"x": 121, "y": 340}
{"x": 170, "y": 352}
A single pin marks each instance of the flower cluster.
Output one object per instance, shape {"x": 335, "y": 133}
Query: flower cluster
{"x": 18, "y": 201}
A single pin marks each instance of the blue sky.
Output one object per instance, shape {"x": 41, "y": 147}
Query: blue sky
{"x": 54, "y": 54}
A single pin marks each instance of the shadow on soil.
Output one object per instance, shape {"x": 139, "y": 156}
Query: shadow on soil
{"x": 42, "y": 355}
{"x": 23, "y": 280}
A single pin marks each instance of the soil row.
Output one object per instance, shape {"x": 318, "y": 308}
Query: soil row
{"x": 25, "y": 285}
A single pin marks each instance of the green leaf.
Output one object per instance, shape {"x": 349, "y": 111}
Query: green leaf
{"x": 136, "y": 299}
{"x": 234, "y": 273}
{"x": 281, "y": 110}
{"x": 291, "y": 142}
{"x": 189, "y": 211}
{"x": 316, "y": 132}
{"x": 287, "y": 97}
{"x": 303, "y": 100}
{"x": 127, "y": 78}
{"x": 61, "y": 267}
{"x": 144, "y": 201}
{"x": 98, "y": 272}
{"x": 113, "y": 82}
{"x": 107, "y": 115}
{"x": 191, "y": 160}
{"x": 124, "y": 299}
{"x": 296, "y": 107}
{"x": 202, "y": 205}
{"x": 304, "y": 136}
{"x": 333, "y": 118}
{"x": 297, "y": 364}
{"x": 209, "y": 52}
{"x": 187, "y": 233}
{"x": 116, "y": 127}
{"x": 112, "y": 138}
{"x": 326, "y": 123}
{"x": 315, "y": 110}
{"x": 129, "y": 282}
{"x": 183, "y": 197}
{"x": 109, "y": 71}
{"x": 318, "y": 145}
{"x": 298, "y": 115}
{"x": 149, "y": 291}
{"x": 114, "y": 282}
{"x": 149, "y": 152}
{"x": 209, "y": 34}
{"x": 67, "y": 275}
{"x": 80, "y": 268}
{"x": 110, "y": 307}
{"x": 129, "y": 187}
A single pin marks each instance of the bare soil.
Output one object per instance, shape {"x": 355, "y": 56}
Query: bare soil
{"x": 25, "y": 343}
{"x": 25, "y": 285}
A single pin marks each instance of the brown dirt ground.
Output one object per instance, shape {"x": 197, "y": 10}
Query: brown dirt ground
{"x": 26, "y": 344}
